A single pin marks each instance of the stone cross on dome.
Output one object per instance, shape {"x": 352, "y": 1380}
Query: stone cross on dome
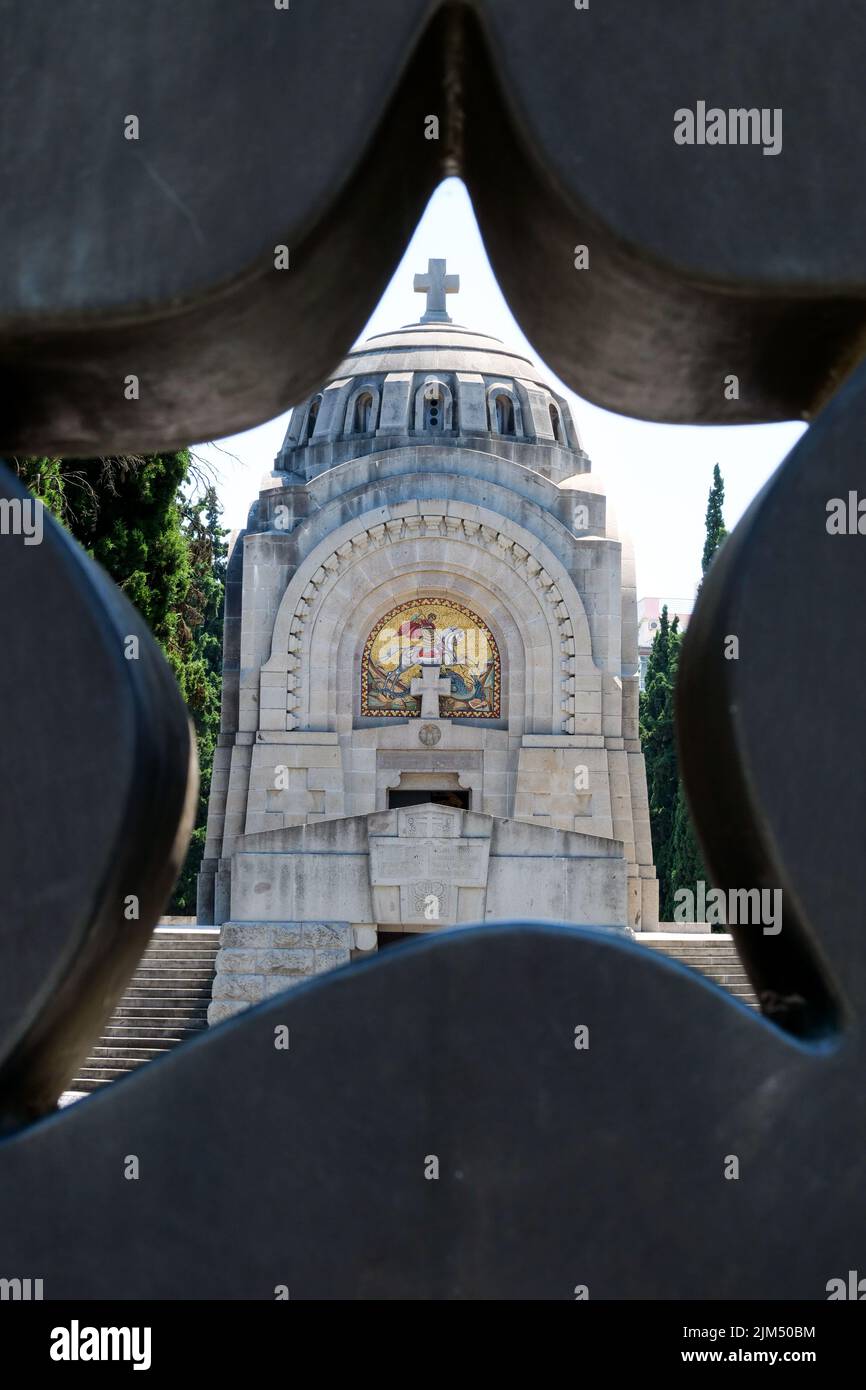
{"x": 436, "y": 285}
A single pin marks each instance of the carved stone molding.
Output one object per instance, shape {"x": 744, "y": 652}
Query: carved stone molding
{"x": 454, "y": 528}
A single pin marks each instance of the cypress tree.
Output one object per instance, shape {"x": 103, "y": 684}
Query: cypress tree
{"x": 203, "y": 614}
{"x": 686, "y": 861}
{"x": 660, "y": 754}
{"x": 687, "y": 865}
{"x": 715, "y": 521}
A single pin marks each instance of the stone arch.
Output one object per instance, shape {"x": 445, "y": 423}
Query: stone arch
{"x": 568, "y": 428}
{"x": 556, "y": 424}
{"x": 460, "y": 543}
{"x": 424, "y": 408}
{"x": 341, "y": 625}
{"x": 499, "y": 392}
{"x": 367, "y": 390}
{"x": 381, "y": 479}
{"x": 310, "y": 418}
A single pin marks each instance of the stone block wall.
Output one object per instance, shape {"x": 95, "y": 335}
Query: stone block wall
{"x": 258, "y": 959}
{"x": 550, "y": 790}
{"x": 294, "y": 779}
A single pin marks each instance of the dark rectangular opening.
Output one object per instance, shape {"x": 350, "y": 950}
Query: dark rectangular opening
{"x": 416, "y": 796}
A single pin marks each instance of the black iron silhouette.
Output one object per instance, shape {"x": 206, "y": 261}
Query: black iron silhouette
{"x": 558, "y": 1167}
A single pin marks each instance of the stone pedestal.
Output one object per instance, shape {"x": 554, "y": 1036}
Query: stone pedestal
{"x": 258, "y": 959}
{"x": 417, "y": 869}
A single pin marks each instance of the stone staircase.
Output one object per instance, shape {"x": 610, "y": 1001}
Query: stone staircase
{"x": 165, "y": 1003}
{"x": 714, "y": 954}
{"x": 167, "y": 998}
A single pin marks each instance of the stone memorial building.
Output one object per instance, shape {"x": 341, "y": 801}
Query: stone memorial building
{"x": 430, "y": 695}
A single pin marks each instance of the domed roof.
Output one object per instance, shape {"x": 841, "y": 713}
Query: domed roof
{"x": 434, "y": 383}
{"x": 431, "y": 347}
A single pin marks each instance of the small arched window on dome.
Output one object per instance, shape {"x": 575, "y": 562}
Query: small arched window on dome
{"x": 556, "y": 425}
{"x": 434, "y": 407}
{"x": 503, "y": 409}
{"x": 362, "y": 416}
{"x": 362, "y": 410}
{"x": 312, "y": 417}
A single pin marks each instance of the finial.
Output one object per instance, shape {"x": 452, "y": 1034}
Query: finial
{"x": 436, "y": 284}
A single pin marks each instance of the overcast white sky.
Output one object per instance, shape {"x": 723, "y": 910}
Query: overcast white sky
{"x": 658, "y": 475}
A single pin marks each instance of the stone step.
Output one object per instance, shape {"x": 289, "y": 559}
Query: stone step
{"x": 154, "y": 1023}
{"x": 185, "y": 933}
{"x": 152, "y": 988}
{"x": 183, "y": 943}
{"x": 724, "y": 977}
{"x": 156, "y": 1008}
{"x": 710, "y": 966}
{"x": 183, "y": 952}
{"x": 149, "y": 1001}
{"x": 728, "y": 980}
{"x": 129, "y": 1056}
{"x": 165, "y": 968}
{"x": 718, "y": 961}
{"x": 175, "y": 959}
{"x": 146, "y": 1016}
{"x": 198, "y": 959}
{"x": 200, "y": 980}
{"x": 725, "y": 955}
{"x": 156, "y": 1030}
{"x": 168, "y": 990}
{"x": 167, "y": 944}
{"x": 181, "y": 948}
{"x": 168, "y": 972}
{"x": 133, "y": 1028}
{"x": 710, "y": 963}
{"x": 146, "y": 1003}
{"x": 700, "y": 952}
{"x": 189, "y": 954}
{"x": 728, "y": 962}
{"x": 154, "y": 1012}
{"x": 92, "y": 1076}
{"x": 164, "y": 1005}
{"x": 150, "y": 973}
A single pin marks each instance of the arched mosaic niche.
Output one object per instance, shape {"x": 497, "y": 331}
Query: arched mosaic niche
{"x": 431, "y": 632}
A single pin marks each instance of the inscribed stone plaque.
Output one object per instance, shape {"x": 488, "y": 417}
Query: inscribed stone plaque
{"x": 420, "y": 824}
{"x": 463, "y": 862}
{"x": 428, "y": 861}
{"x": 395, "y": 861}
